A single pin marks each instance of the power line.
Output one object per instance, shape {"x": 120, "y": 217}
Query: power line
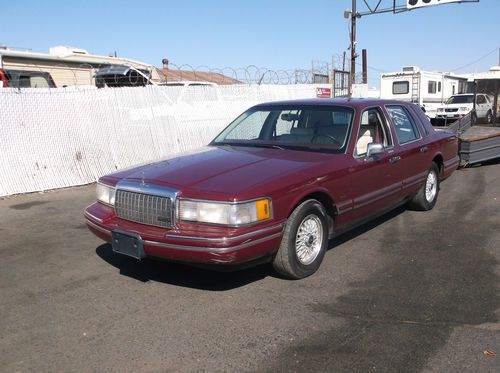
{"x": 476, "y": 61}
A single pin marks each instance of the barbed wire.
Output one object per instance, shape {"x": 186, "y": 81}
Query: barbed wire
{"x": 51, "y": 75}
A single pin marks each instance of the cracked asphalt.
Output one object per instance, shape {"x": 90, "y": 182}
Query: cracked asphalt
{"x": 409, "y": 292}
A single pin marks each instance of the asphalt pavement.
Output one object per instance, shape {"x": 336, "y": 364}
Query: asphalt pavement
{"x": 410, "y": 292}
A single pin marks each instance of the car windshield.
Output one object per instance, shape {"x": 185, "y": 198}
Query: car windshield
{"x": 300, "y": 127}
{"x": 466, "y": 99}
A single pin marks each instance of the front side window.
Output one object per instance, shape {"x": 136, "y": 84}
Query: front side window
{"x": 404, "y": 125}
{"x": 372, "y": 129}
{"x": 301, "y": 127}
{"x": 431, "y": 88}
{"x": 481, "y": 99}
{"x": 401, "y": 87}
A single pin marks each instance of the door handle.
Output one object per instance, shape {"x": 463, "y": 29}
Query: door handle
{"x": 395, "y": 159}
{"x": 424, "y": 149}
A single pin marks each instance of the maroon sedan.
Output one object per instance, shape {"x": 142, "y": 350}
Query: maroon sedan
{"x": 276, "y": 185}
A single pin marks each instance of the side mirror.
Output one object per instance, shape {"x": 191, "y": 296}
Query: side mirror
{"x": 373, "y": 149}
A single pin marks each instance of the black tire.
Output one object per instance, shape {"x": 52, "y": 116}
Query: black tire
{"x": 423, "y": 201}
{"x": 489, "y": 117}
{"x": 288, "y": 262}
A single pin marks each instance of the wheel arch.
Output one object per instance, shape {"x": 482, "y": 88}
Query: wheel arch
{"x": 439, "y": 161}
{"x": 324, "y": 198}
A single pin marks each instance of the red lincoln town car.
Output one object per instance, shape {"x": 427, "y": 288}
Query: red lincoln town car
{"x": 280, "y": 181}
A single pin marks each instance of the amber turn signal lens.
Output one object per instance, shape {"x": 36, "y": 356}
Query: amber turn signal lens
{"x": 263, "y": 209}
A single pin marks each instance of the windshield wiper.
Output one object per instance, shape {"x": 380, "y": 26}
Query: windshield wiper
{"x": 256, "y": 145}
{"x": 270, "y": 146}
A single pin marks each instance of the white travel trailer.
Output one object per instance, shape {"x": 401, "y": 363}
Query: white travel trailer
{"x": 429, "y": 89}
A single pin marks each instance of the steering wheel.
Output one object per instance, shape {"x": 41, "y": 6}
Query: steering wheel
{"x": 332, "y": 139}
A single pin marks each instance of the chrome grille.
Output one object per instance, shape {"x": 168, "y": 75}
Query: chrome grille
{"x": 144, "y": 208}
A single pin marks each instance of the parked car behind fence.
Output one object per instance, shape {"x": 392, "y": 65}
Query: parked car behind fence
{"x": 25, "y": 79}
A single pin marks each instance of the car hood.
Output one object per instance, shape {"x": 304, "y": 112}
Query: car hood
{"x": 456, "y": 106}
{"x": 226, "y": 169}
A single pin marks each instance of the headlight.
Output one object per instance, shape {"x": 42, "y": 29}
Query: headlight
{"x": 465, "y": 108}
{"x": 225, "y": 213}
{"x": 440, "y": 109}
{"x": 105, "y": 194}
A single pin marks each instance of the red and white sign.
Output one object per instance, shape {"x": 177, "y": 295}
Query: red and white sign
{"x": 411, "y": 4}
{"x": 323, "y": 92}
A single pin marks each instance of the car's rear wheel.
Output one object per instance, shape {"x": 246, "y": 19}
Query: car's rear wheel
{"x": 304, "y": 241}
{"x": 489, "y": 117}
{"x": 427, "y": 195}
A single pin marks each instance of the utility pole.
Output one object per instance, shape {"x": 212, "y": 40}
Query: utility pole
{"x": 353, "y": 47}
{"x": 365, "y": 66}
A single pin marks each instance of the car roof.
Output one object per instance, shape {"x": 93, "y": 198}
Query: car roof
{"x": 354, "y": 102}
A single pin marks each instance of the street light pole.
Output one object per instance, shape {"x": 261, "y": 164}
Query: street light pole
{"x": 352, "y": 73}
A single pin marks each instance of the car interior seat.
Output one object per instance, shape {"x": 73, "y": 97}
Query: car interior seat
{"x": 368, "y": 132}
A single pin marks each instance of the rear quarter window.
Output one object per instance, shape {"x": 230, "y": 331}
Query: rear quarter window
{"x": 423, "y": 122}
{"x": 404, "y": 124}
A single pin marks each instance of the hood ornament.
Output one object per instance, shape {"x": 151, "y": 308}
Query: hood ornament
{"x": 142, "y": 178}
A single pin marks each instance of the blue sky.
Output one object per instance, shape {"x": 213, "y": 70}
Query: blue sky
{"x": 277, "y": 34}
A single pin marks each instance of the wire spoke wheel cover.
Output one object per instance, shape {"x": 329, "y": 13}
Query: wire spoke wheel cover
{"x": 431, "y": 186}
{"x": 304, "y": 242}
{"x": 309, "y": 239}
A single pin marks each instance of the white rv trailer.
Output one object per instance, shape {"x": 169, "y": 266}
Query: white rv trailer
{"x": 68, "y": 66}
{"x": 429, "y": 89}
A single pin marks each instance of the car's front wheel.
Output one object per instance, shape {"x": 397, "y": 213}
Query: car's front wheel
{"x": 426, "y": 197}
{"x": 304, "y": 242}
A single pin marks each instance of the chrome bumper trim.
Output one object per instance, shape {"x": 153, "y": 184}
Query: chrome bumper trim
{"x": 228, "y": 239}
{"x": 243, "y": 245}
{"x": 90, "y": 216}
{"x": 214, "y": 249}
{"x": 99, "y": 228}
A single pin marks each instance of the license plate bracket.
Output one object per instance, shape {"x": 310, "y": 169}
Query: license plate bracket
{"x": 126, "y": 243}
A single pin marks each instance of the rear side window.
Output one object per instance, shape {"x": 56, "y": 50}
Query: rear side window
{"x": 26, "y": 81}
{"x": 29, "y": 79}
{"x": 404, "y": 125}
{"x": 401, "y": 87}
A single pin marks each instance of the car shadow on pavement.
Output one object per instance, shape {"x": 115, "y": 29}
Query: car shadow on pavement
{"x": 210, "y": 279}
{"x": 181, "y": 274}
{"x": 349, "y": 235}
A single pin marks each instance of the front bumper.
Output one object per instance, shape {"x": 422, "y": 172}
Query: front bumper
{"x": 205, "y": 245}
{"x": 448, "y": 116}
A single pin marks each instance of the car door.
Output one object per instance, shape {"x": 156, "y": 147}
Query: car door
{"x": 412, "y": 152}
{"x": 375, "y": 182}
{"x": 481, "y": 106}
